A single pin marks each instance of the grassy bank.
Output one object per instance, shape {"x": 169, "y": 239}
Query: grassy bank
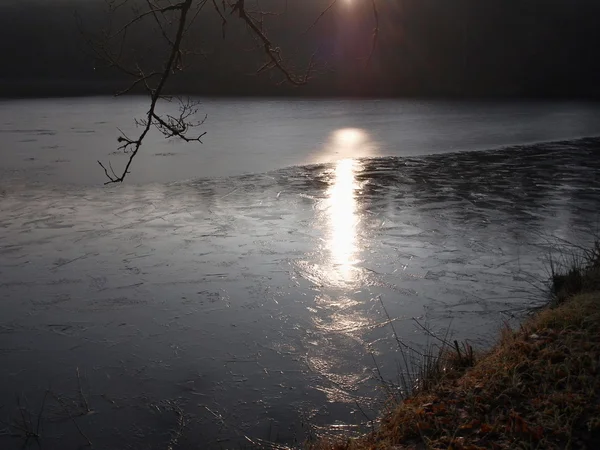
{"x": 537, "y": 388}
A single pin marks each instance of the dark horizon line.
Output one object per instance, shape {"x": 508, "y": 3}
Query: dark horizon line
{"x": 49, "y": 94}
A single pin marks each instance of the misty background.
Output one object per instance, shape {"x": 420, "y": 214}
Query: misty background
{"x": 496, "y": 48}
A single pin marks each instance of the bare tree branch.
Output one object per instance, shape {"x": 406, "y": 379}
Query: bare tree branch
{"x": 174, "y": 19}
{"x": 272, "y": 52}
{"x": 153, "y": 11}
{"x": 156, "y": 94}
{"x": 221, "y": 15}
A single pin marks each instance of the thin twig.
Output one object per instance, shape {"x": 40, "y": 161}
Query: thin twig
{"x": 81, "y": 395}
{"x": 369, "y": 420}
{"x": 325, "y": 11}
{"x": 61, "y": 403}
{"x": 375, "y": 31}
{"x": 396, "y": 337}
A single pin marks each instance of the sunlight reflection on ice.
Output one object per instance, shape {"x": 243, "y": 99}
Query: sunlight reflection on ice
{"x": 343, "y": 215}
{"x": 343, "y": 220}
{"x": 339, "y": 316}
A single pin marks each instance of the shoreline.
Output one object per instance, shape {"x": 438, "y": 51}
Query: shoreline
{"x": 538, "y": 387}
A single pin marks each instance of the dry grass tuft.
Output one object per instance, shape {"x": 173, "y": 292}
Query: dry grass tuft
{"x": 575, "y": 272}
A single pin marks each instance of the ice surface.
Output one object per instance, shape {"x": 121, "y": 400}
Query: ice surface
{"x": 252, "y": 301}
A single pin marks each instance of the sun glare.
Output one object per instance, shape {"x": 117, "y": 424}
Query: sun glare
{"x": 347, "y": 143}
{"x": 349, "y": 137}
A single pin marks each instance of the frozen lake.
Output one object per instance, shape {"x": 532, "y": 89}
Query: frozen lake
{"x": 241, "y": 283}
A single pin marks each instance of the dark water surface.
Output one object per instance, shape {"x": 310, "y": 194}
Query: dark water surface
{"x": 251, "y": 305}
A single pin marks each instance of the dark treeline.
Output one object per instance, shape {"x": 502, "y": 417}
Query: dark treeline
{"x": 470, "y": 48}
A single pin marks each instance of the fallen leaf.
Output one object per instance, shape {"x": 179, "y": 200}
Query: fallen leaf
{"x": 537, "y": 433}
{"x": 423, "y": 426}
{"x": 486, "y": 428}
{"x": 439, "y": 409}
